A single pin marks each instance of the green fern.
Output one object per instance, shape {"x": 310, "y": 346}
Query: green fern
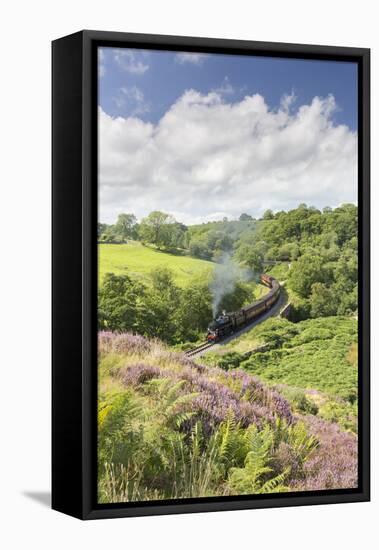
{"x": 301, "y": 442}
{"x": 256, "y": 475}
{"x": 171, "y": 401}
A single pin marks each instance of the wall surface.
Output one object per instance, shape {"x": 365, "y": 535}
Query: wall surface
{"x": 27, "y": 29}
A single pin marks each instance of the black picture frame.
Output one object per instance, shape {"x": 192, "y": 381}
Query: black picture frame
{"x": 74, "y": 272}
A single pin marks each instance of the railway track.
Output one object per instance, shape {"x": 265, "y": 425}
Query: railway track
{"x": 274, "y": 310}
{"x": 199, "y": 349}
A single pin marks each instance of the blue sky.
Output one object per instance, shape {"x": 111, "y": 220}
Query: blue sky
{"x": 165, "y": 79}
{"x": 165, "y": 118}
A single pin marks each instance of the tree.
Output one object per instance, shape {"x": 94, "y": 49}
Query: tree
{"x": 218, "y": 240}
{"x": 245, "y": 217}
{"x": 348, "y": 302}
{"x": 199, "y": 249}
{"x": 311, "y": 225}
{"x": 328, "y": 243}
{"x": 163, "y": 281}
{"x": 306, "y": 271}
{"x": 125, "y": 225}
{"x": 160, "y": 312}
{"x": 118, "y": 303}
{"x": 240, "y": 295}
{"x": 346, "y": 271}
{"x": 268, "y": 215}
{"x": 323, "y": 301}
{"x": 101, "y": 227}
{"x": 110, "y": 235}
{"x": 177, "y": 237}
{"x": 344, "y": 222}
{"x": 289, "y": 251}
{"x": 250, "y": 256}
{"x": 156, "y": 228}
{"x": 195, "y": 310}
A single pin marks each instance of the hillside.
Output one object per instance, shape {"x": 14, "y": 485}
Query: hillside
{"x": 172, "y": 297}
{"x": 313, "y": 362}
{"x": 135, "y": 259}
{"x": 170, "y": 428}
{"x": 317, "y": 250}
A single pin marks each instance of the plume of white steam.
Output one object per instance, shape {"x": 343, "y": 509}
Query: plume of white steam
{"x": 225, "y": 276}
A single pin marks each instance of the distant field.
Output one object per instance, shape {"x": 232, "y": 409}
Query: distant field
{"x": 135, "y": 259}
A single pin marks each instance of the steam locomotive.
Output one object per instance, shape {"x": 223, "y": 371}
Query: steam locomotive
{"x": 227, "y": 323}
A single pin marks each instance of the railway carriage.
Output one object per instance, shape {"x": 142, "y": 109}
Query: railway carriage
{"x": 227, "y": 323}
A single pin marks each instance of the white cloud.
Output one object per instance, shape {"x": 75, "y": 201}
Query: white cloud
{"x": 225, "y": 89}
{"x": 133, "y": 98}
{"x": 287, "y": 101}
{"x": 207, "y": 158}
{"x": 130, "y": 61}
{"x": 192, "y": 58}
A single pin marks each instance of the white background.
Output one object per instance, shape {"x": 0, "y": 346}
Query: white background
{"x": 27, "y": 29}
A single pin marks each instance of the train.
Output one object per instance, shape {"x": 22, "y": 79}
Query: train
{"x": 227, "y": 323}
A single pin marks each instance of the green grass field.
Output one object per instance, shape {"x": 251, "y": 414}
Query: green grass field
{"x": 138, "y": 260}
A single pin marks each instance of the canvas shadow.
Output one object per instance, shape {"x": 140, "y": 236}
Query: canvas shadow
{"x": 41, "y": 497}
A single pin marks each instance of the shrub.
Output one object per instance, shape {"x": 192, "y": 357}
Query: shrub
{"x": 230, "y": 360}
{"x": 123, "y": 343}
{"x": 299, "y": 400}
{"x": 335, "y": 463}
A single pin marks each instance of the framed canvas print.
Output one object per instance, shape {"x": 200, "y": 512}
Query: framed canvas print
{"x": 210, "y": 274}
